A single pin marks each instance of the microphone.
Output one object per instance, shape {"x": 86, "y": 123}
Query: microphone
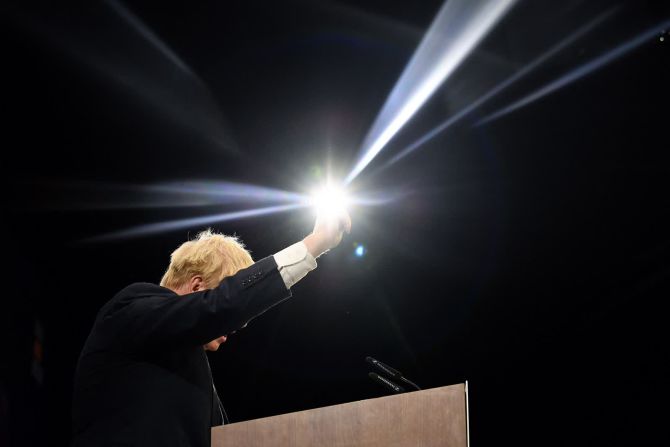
{"x": 384, "y": 368}
{"x": 391, "y": 372}
{"x": 386, "y": 383}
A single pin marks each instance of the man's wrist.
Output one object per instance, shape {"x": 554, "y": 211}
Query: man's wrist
{"x": 315, "y": 245}
{"x": 294, "y": 263}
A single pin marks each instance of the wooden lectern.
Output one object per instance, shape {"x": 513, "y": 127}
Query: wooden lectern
{"x": 434, "y": 417}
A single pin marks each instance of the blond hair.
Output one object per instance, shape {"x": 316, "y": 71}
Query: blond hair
{"x": 211, "y": 255}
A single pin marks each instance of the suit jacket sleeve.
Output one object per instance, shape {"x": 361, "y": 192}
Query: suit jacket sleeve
{"x": 142, "y": 316}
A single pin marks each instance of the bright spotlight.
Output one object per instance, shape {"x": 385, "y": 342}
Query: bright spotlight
{"x": 330, "y": 200}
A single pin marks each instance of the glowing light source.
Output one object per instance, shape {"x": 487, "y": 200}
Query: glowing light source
{"x": 330, "y": 200}
{"x": 456, "y": 30}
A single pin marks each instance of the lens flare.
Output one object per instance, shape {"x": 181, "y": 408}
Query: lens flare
{"x": 360, "y": 251}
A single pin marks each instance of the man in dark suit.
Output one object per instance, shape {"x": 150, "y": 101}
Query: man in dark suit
{"x": 143, "y": 378}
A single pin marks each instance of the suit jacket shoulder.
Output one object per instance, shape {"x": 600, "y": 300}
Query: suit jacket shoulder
{"x": 145, "y": 314}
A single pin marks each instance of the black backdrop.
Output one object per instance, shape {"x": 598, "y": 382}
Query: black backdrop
{"x": 528, "y": 256}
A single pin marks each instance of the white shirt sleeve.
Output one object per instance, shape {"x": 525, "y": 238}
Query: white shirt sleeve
{"x": 294, "y": 263}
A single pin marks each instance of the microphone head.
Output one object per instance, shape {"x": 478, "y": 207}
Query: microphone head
{"x": 384, "y": 368}
{"x": 386, "y": 383}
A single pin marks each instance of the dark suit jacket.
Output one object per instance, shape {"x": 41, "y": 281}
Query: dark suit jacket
{"x": 143, "y": 378}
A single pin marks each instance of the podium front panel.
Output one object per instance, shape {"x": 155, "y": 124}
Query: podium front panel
{"x": 435, "y": 417}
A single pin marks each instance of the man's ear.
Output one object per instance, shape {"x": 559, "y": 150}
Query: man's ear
{"x": 196, "y": 284}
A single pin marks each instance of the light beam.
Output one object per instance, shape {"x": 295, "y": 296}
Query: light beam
{"x": 177, "y": 194}
{"x": 579, "y": 72}
{"x": 502, "y": 86}
{"x": 458, "y": 27}
{"x": 202, "y": 115}
{"x": 128, "y": 53}
{"x": 161, "y": 227}
{"x": 150, "y": 36}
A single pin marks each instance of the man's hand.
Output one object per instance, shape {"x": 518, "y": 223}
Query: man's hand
{"x": 327, "y": 233}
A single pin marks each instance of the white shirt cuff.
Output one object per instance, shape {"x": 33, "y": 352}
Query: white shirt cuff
{"x": 294, "y": 263}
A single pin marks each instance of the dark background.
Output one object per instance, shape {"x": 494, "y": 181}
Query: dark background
{"x": 529, "y": 256}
